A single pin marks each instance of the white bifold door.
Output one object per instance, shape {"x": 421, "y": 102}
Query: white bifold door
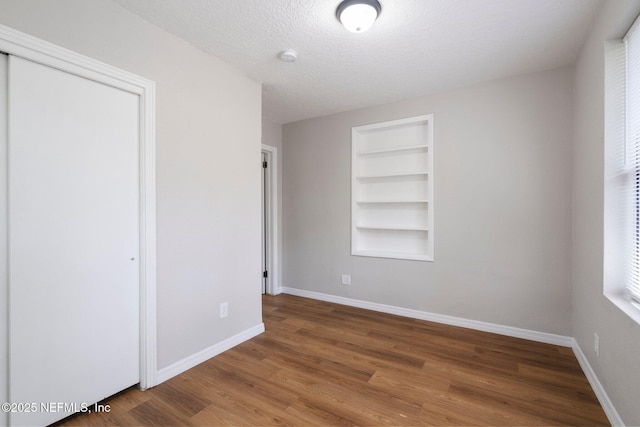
{"x": 73, "y": 241}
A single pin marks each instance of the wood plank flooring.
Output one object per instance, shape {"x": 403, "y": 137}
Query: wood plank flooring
{"x": 321, "y": 364}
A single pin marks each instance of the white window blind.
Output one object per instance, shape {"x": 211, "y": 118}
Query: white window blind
{"x": 632, "y": 150}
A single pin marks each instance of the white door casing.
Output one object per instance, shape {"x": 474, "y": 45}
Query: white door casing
{"x": 263, "y": 225}
{"x": 270, "y": 195}
{"x": 4, "y": 295}
{"x": 24, "y": 46}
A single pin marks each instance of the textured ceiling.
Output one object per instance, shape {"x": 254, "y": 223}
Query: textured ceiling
{"x": 416, "y": 47}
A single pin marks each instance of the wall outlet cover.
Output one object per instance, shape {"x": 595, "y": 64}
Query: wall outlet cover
{"x": 224, "y": 310}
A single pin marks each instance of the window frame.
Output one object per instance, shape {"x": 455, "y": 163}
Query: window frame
{"x": 621, "y": 210}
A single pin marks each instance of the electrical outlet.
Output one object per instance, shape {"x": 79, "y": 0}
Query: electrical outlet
{"x": 224, "y": 310}
{"x": 346, "y": 279}
{"x": 596, "y": 344}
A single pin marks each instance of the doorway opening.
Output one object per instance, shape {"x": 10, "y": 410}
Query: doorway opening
{"x": 269, "y": 208}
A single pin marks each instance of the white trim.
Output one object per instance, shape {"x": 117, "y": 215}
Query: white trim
{"x": 4, "y": 234}
{"x": 561, "y": 340}
{"x": 195, "y": 359}
{"x": 148, "y": 345}
{"x": 28, "y": 47}
{"x": 395, "y": 123}
{"x": 360, "y": 173}
{"x": 510, "y": 331}
{"x": 601, "y": 394}
{"x": 273, "y": 285}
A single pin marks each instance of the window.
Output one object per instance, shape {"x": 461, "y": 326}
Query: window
{"x": 632, "y": 153}
{"x": 622, "y": 173}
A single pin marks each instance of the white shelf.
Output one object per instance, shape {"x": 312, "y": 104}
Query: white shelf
{"x": 392, "y": 175}
{"x": 393, "y": 188}
{"x": 392, "y": 150}
{"x": 391, "y": 227}
{"x": 394, "y": 255}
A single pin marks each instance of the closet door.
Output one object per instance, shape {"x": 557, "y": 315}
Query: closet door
{"x": 4, "y": 328}
{"x": 73, "y": 241}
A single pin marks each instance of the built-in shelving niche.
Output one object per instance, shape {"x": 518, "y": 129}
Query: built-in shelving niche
{"x": 392, "y": 189}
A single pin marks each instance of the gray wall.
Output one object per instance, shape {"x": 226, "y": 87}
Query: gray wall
{"x": 617, "y": 366}
{"x": 272, "y": 134}
{"x": 208, "y": 184}
{"x": 502, "y": 206}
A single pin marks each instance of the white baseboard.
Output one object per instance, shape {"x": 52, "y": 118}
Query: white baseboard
{"x": 277, "y": 290}
{"x": 603, "y": 398}
{"x": 561, "y": 340}
{"x": 510, "y": 331}
{"x": 206, "y": 354}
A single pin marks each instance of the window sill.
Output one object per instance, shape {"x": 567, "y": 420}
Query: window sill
{"x": 621, "y": 301}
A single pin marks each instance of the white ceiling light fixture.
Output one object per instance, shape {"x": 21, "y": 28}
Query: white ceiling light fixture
{"x": 358, "y": 16}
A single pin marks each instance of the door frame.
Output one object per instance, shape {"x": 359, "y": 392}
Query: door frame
{"x": 273, "y": 279}
{"x": 28, "y": 47}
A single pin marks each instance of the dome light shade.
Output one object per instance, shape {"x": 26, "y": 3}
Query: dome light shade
{"x": 358, "y": 16}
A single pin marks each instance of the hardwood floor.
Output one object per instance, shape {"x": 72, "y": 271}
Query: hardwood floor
{"x": 325, "y": 364}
